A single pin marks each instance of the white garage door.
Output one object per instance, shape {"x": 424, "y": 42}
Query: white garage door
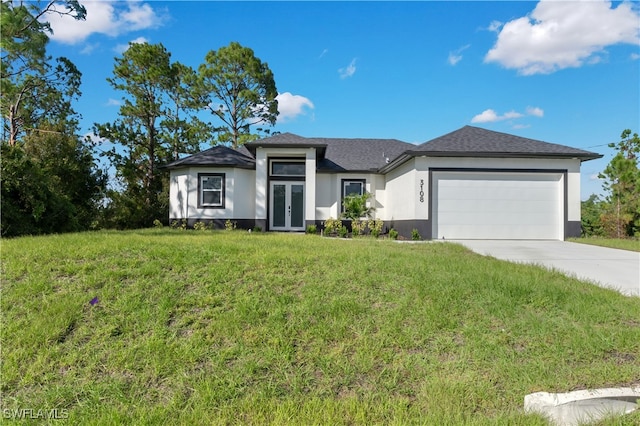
{"x": 498, "y": 205}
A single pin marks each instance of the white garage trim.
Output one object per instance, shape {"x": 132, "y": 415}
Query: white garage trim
{"x": 498, "y": 204}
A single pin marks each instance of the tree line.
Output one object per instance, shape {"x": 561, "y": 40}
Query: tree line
{"x": 617, "y": 214}
{"x": 50, "y": 179}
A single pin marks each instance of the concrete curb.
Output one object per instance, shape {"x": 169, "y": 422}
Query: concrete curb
{"x": 583, "y": 406}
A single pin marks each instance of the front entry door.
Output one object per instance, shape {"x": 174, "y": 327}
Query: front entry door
{"x": 287, "y": 206}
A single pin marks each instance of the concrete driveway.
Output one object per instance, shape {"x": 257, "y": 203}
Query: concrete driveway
{"x": 612, "y": 268}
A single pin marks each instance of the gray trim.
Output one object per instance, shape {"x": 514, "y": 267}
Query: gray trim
{"x": 564, "y": 172}
{"x": 406, "y": 227}
{"x": 573, "y": 229}
{"x": 219, "y": 223}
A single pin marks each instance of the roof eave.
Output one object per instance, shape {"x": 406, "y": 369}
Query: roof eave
{"x": 580, "y": 156}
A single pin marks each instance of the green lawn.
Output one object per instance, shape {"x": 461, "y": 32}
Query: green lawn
{"x": 630, "y": 244}
{"x": 237, "y": 328}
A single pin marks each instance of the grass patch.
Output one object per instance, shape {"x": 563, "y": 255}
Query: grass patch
{"x": 631, "y": 244}
{"x": 232, "y": 327}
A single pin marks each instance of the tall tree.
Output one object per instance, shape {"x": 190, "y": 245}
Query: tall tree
{"x": 32, "y": 88}
{"x": 49, "y": 181}
{"x": 240, "y": 90}
{"x": 149, "y": 131}
{"x": 622, "y": 182}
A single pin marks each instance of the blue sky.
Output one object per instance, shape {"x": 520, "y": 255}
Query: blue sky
{"x": 557, "y": 71}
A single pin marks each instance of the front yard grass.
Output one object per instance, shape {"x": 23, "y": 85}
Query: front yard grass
{"x": 184, "y": 327}
{"x": 631, "y": 244}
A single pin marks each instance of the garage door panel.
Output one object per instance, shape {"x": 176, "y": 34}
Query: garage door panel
{"x": 496, "y": 205}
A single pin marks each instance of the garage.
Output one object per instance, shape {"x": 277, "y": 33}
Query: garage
{"x": 498, "y": 205}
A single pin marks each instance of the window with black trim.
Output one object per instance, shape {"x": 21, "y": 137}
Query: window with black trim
{"x": 352, "y": 187}
{"x": 287, "y": 168}
{"x": 211, "y": 190}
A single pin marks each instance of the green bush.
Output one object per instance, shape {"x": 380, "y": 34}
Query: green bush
{"x": 415, "y": 235}
{"x": 332, "y": 225}
{"x": 199, "y": 226}
{"x": 358, "y": 227}
{"x": 229, "y": 225}
{"x": 157, "y": 223}
{"x": 312, "y": 229}
{"x": 375, "y": 226}
{"x": 343, "y": 232}
{"x": 355, "y": 206}
{"x": 179, "y": 224}
{"x": 393, "y": 234}
{"x": 257, "y": 229}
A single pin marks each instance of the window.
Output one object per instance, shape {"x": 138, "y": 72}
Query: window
{"x": 352, "y": 187}
{"x": 287, "y": 168}
{"x": 211, "y": 190}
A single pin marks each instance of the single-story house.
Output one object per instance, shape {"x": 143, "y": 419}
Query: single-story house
{"x": 468, "y": 184}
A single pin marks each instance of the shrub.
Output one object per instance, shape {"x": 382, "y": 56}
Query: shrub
{"x": 179, "y": 224}
{"x": 355, "y": 206}
{"x": 375, "y": 226}
{"x": 343, "y": 232}
{"x": 257, "y": 229}
{"x": 415, "y": 235}
{"x": 357, "y": 227}
{"x": 393, "y": 234}
{"x": 229, "y": 225}
{"x": 312, "y": 229}
{"x": 157, "y": 223}
{"x": 332, "y": 225}
{"x": 199, "y": 226}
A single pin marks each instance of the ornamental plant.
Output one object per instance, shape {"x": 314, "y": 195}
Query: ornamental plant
{"x": 375, "y": 226}
{"x": 355, "y": 206}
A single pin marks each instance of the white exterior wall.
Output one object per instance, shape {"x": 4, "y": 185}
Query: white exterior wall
{"x": 326, "y": 196}
{"x": 178, "y": 193}
{"x": 400, "y": 191}
{"x": 329, "y": 192}
{"x": 239, "y": 194}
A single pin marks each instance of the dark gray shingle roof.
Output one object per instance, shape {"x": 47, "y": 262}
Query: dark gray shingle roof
{"x": 472, "y": 141}
{"x": 341, "y": 154}
{"x": 218, "y": 156}
{"x": 354, "y": 155}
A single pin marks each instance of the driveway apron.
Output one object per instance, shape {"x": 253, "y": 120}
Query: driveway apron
{"x": 606, "y": 267}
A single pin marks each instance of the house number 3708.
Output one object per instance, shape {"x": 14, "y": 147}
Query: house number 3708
{"x": 422, "y": 190}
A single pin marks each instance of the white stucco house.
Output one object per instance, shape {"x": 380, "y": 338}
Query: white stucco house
{"x": 468, "y": 184}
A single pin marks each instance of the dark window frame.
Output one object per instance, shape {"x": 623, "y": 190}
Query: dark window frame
{"x": 222, "y": 190}
{"x": 273, "y": 161}
{"x": 343, "y": 182}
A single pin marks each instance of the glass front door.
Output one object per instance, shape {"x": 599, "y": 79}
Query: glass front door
{"x": 287, "y": 206}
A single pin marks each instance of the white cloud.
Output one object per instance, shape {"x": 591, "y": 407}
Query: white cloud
{"x": 349, "y": 70}
{"x": 121, "y": 48}
{"x": 490, "y": 116}
{"x": 535, "y": 111}
{"x": 456, "y": 55}
{"x": 105, "y": 17}
{"x": 324, "y": 52}
{"x": 495, "y": 26}
{"x": 634, "y": 56}
{"x": 113, "y": 102}
{"x": 563, "y": 34}
{"x": 291, "y": 106}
